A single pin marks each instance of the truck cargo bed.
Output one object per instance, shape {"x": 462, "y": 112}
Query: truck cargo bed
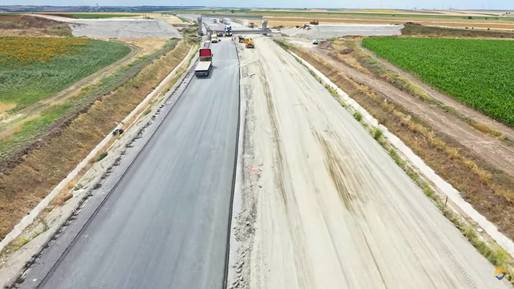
{"x": 203, "y": 68}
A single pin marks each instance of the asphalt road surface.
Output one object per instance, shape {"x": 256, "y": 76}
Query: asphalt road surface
{"x": 165, "y": 225}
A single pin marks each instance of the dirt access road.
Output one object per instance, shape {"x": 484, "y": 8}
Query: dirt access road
{"x": 324, "y": 206}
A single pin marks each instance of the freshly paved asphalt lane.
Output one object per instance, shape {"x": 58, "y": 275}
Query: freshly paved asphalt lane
{"x": 165, "y": 225}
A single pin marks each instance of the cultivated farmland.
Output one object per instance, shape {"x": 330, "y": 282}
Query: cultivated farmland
{"x": 94, "y": 15}
{"x": 480, "y": 73}
{"x": 32, "y": 68}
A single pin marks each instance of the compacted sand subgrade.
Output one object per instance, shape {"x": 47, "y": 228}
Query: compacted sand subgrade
{"x": 124, "y": 28}
{"x": 323, "y": 205}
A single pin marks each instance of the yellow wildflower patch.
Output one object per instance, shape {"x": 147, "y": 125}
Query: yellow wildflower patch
{"x": 37, "y": 49}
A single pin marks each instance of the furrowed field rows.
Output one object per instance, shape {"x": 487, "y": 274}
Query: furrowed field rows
{"x": 479, "y": 73}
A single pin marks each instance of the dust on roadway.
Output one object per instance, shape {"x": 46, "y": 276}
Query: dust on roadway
{"x": 125, "y": 28}
{"x": 326, "y": 31}
{"x": 324, "y": 205}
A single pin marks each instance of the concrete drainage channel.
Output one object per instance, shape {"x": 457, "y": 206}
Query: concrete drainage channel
{"x": 70, "y": 219}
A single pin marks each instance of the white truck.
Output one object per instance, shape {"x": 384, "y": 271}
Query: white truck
{"x": 204, "y": 66}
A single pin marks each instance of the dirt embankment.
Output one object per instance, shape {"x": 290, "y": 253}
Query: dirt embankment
{"x": 474, "y": 161}
{"x": 24, "y": 25}
{"x": 431, "y": 31}
{"x": 27, "y": 180}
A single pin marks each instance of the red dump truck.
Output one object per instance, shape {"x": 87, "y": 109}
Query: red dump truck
{"x": 204, "y": 66}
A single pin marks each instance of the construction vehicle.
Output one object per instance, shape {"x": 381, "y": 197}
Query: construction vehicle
{"x": 228, "y": 30}
{"x": 204, "y": 65}
{"x": 249, "y": 43}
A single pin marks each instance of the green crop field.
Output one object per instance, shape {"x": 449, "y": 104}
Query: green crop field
{"x": 32, "y": 69}
{"x": 94, "y": 15}
{"x": 479, "y": 73}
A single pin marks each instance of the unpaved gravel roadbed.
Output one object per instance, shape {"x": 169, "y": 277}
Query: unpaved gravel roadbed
{"x": 338, "y": 30}
{"x": 324, "y": 206}
{"x": 118, "y": 28}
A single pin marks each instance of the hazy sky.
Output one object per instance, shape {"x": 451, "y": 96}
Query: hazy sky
{"x": 408, "y": 4}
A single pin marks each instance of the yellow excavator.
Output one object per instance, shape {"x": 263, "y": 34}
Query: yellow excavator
{"x": 249, "y": 43}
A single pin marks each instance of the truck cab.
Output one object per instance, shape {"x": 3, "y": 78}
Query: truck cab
{"x": 205, "y": 54}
